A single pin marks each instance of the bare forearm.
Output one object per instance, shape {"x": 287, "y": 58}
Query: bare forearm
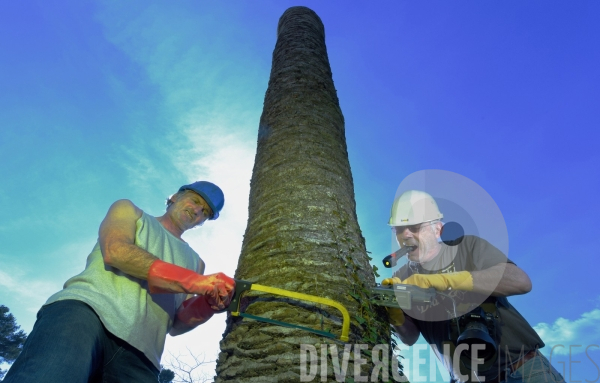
{"x": 129, "y": 258}
{"x": 117, "y": 240}
{"x": 501, "y": 280}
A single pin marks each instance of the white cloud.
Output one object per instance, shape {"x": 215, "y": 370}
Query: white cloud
{"x": 141, "y": 167}
{"x": 202, "y": 342}
{"x": 18, "y": 284}
{"x": 226, "y": 160}
{"x": 191, "y": 71}
{"x": 211, "y": 107}
{"x": 207, "y": 104}
{"x": 563, "y": 333}
{"x": 26, "y": 288}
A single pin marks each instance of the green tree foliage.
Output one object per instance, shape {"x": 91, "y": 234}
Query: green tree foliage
{"x": 11, "y": 338}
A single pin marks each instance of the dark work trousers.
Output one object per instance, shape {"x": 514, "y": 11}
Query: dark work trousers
{"x": 69, "y": 343}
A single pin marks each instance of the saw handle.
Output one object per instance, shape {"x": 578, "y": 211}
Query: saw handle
{"x": 240, "y": 288}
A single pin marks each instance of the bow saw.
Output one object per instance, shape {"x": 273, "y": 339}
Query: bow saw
{"x": 242, "y": 287}
{"x": 398, "y": 295}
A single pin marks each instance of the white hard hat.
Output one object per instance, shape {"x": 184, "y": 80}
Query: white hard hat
{"x": 413, "y": 207}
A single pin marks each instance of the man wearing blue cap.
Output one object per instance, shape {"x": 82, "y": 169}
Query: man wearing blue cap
{"x": 141, "y": 281}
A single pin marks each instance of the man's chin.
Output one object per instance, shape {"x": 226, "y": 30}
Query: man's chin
{"x": 413, "y": 256}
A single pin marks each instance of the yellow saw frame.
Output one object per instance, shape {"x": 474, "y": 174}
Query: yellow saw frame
{"x": 243, "y": 286}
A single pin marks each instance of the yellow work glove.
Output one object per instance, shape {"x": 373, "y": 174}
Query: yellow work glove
{"x": 463, "y": 280}
{"x": 391, "y": 281}
{"x": 396, "y": 315}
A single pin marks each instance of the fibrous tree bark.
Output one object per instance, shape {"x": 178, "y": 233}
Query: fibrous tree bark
{"x": 302, "y": 233}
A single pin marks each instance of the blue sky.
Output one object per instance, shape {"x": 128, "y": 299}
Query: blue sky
{"x": 107, "y": 100}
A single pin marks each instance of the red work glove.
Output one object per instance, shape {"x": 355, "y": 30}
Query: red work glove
{"x": 195, "y": 311}
{"x": 165, "y": 277}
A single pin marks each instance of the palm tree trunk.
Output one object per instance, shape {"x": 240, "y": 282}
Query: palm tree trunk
{"x": 302, "y": 232}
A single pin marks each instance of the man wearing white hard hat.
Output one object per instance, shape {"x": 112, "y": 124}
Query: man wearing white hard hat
{"x": 141, "y": 281}
{"x": 473, "y": 329}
